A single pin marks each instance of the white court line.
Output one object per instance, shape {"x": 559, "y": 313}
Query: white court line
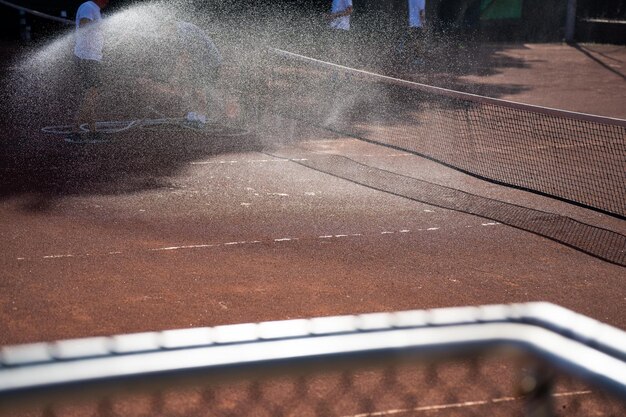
{"x": 59, "y": 256}
{"x": 238, "y": 243}
{"x": 183, "y": 247}
{"x": 256, "y": 161}
{"x": 459, "y": 405}
{"x": 390, "y": 155}
{"x": 247, "y": 161}
{"x": 339, "y": 236}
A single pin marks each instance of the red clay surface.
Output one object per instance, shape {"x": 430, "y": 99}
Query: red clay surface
{"x": 245, "y": 236}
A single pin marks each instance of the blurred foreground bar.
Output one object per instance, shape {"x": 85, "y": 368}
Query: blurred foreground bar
{"x": 522, "y": 359}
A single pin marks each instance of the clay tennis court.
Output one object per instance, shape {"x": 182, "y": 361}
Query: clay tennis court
{"x": 158, "y": 230}
{"x": 147, "y": 233}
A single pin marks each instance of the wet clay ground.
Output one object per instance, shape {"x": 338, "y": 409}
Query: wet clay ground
{"x": 586, "y": 78}
{"x": 148, "y": 234}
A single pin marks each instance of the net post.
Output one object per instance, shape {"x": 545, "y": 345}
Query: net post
{"x": 570, "y": 21}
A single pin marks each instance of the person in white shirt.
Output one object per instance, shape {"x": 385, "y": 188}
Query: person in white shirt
{"x": 88, "y": 55}
{"x": 190, "y": 66}
{"x": 410, "y": 42}
{"x": 197, "y": 69}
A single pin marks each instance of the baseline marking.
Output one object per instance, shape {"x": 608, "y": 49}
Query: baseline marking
{"x": 239, "y": 243}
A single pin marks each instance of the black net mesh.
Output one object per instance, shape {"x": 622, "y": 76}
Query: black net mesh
{"x": 576, "y": 158}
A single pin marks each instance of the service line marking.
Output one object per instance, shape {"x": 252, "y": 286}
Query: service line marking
{"x": 247, "y": 161}
{"x": 235, "y": 243}
{"x": 390, "y": 155}
{"x": 256, "y": 161}
{"x": 58, "y": 256}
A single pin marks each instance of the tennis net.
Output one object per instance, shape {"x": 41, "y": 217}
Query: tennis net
{"x": 574, "y": 157}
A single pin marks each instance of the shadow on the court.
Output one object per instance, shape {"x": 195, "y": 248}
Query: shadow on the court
{"x": 47, "y": 167}
{"x": 591, "y": 54}
{"x": 598, "y": 242}
{"x": 444, "y": 60}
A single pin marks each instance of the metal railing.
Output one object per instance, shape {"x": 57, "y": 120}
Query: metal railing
{"x": 523, "y": 359}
